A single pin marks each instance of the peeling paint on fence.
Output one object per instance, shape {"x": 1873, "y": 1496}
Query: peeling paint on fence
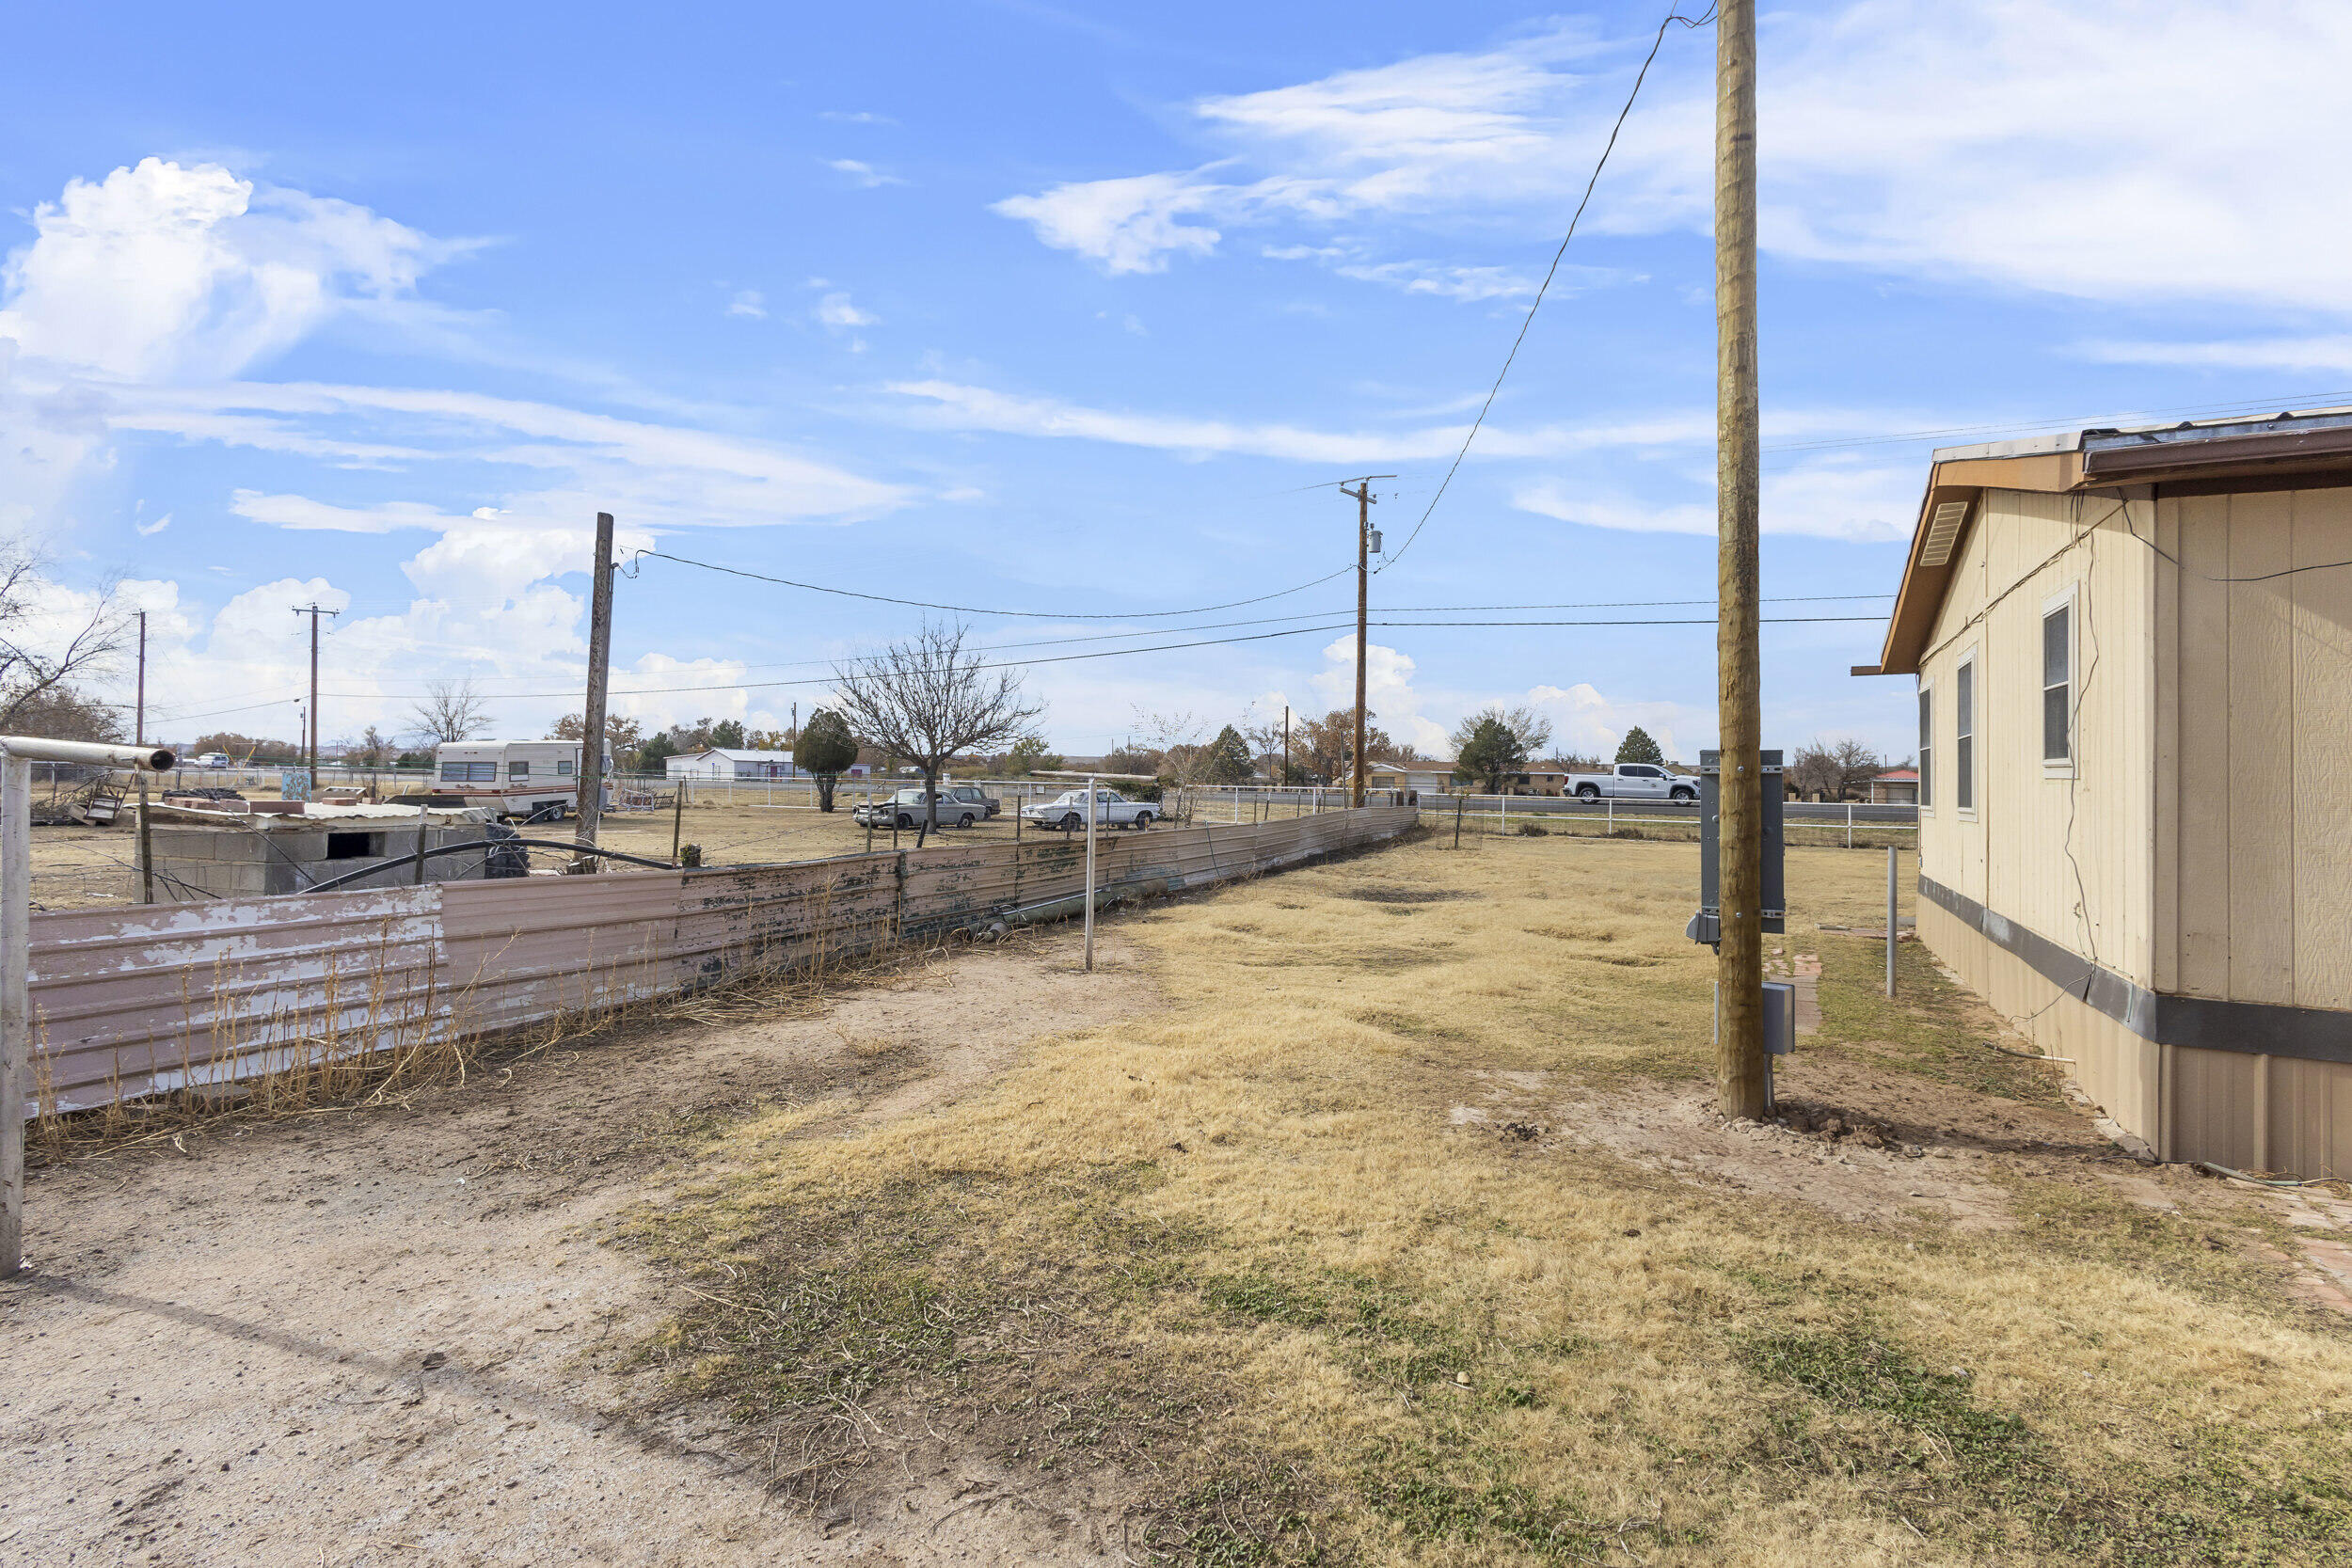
{"x": 137, "y": 1002}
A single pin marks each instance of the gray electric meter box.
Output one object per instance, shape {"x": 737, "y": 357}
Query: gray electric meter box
{"x": 1707, "y": 925}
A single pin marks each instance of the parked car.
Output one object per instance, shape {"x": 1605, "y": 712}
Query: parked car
{"x": 909, "y": 808}
{"x": 971, "y": 795}
{"x": 1067, "y": 811}
{"x": 1635, "y": 780}
{"x": 211, "y": 759}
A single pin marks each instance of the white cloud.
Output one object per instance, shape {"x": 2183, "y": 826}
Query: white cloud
{"x": 748, "y": 302}
{"x": 2331, "y": 351}
{"x": 1123, "y": 226}
{"x": 1832, "y": 498}
{"x": 1586, "y": 724}
{"x": 302, "y": 513}
{"x": 149, "y": 531}
{"x": 1389, "y": 695}
{"x": 864, "y": 174}
{"x": 163, "y": 271}
{"x": 2176, "y": 149}
{"x": 857, "y": 117}
{"x": 834, "y": 310}
{"x": 1468, "y": 284}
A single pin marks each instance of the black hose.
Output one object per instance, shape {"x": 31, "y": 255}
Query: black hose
{"x": 410, "y": 859}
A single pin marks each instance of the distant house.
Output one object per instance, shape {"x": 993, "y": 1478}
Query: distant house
{"x": 2134, "y": 706}
{"x": 1427, "y": 778}
{"x": 712, "y": 762}
{"x": 1897, "y": 787}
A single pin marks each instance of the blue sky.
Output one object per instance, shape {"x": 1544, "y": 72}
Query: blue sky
{"x": 1063, "y": 309}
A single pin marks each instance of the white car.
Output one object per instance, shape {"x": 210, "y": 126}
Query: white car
{"x": 1635, "y": 780}
{"x": 1067, "y": 811}
{"x": 211, "y": 759}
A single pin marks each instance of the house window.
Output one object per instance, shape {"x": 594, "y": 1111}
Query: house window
{"x": 2058, "y": 683}
{"x": 1926, "y": 747}
{"x": 469, "y": 772}
{"x": 1964, "y": 735}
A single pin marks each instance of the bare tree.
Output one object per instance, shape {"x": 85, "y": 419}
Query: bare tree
{"x": 1834, "y": 772}
{"x": 451, "y": 710}
{"x": 1177, "y": 736}
{"x": 928, "y": 699}
{"x": 34, "y": 667}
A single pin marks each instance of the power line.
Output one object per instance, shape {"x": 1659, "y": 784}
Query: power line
{"x": 1639, "y": 76}
{"x": 1172, "y": 647}
{"x": 969, "y": 609}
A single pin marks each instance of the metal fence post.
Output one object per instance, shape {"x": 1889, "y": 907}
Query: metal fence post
{"x": 1094, "y": 806}
{"x": 16, "y": 1035}
{"x": 1849, "y": 824}
{"x": 1890, "y": 920}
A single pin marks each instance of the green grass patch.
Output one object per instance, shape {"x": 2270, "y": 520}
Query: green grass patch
{"x": 1929, "y": 1028}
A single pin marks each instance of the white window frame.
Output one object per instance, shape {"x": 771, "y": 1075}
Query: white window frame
{"x": 1962, "y": 772}
{"x": 1929, "y": 750}
{"x": 2069, "y": 599}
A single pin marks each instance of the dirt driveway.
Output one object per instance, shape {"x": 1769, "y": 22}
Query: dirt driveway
{"x": 393, "y": 1336}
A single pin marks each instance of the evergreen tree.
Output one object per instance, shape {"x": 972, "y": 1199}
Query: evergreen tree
{"x": 1638, "y": 746}
{"x": 826, "y": 747}
{"x": 1488, "y": 751}
{"x": 1227, "y": 759}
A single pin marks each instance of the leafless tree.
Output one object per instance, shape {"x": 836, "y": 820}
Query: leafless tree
{"x": 928, "y": 699}
{"x": 451, "y": 710}
{"x": 1823, "y": 771}
{"x": 33, "y": 666}
{"x": 1177, "y": 736}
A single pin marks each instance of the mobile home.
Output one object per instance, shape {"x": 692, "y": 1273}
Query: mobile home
{"x": 515, "y": 778}
{"x": 2133, "y": 662}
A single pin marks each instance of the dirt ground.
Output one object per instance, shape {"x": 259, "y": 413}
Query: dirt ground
{"x": 1374, "y": 1211}
{"x": 391, "y": 1337}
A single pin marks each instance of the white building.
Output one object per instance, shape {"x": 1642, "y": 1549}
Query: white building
{"x": 713, "y": 762}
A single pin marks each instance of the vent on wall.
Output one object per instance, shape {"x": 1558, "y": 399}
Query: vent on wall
{"x": 1943, "y": 530}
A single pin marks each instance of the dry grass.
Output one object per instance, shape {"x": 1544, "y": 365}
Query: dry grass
{"x": 1236, "y": 1249}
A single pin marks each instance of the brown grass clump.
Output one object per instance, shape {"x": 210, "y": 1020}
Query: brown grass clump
{"x": 1244, "y": 1252}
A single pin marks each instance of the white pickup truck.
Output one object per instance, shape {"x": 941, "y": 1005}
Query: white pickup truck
{"x": 1067, "y": 811}
{"x": 1635, "y": 780}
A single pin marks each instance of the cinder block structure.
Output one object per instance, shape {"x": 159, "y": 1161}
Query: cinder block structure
{"x": 201, "y": 853}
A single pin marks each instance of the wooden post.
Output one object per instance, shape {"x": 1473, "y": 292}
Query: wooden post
{"x": 1458, "y": 800}
{"x": 1091, "y": 808}
{"x": 16, "y": 1035}
{"x": 599, "y": 668}
{"x": 1363, "y": 599}
{"x": 1741, "y": 1088}
{"x": 678, "y": 818}
{"x": 421, "y": 821}
{"x": 147, "y": 848}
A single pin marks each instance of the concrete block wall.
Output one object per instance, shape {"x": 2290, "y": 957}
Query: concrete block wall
{"x": 196, "y": 861}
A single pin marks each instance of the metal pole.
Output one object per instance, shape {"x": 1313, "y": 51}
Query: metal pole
{"x": 599, "y": 670}
{"x": 140, "y": 736}
{"x": 421, "y": 820}
{"x": 1458, "y": 819}
{"x": 678, "y": 818}
{"x": 1090, "y": 809}
{"x": 146, "y": 849}
{"x": 1849, "y": 824}
{"x": 16, "y": 942}
{"x": 1739, "y": 1082}
{"x": 1890, "y": 920}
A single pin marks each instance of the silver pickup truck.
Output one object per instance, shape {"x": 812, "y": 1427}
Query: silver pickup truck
{"x": 1635, "y": 780}
{"x": 1067, "y": 811}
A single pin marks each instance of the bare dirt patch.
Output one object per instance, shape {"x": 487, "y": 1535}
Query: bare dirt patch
{"x": 392, "y": 1336}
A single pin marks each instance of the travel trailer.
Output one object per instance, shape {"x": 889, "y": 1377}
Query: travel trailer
{"x": 515, "y": 778}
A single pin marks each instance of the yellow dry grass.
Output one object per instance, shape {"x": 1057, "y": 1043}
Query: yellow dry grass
{"x": 1424, "y": 1345}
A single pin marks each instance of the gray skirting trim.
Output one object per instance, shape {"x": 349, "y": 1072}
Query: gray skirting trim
{"x": 2204, "y": 1023}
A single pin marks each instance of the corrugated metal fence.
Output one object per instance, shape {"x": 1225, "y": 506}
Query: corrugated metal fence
{"x": 128, "y": 1003}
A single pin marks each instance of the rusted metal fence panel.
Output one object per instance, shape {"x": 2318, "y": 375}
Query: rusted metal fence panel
{"x": 144, "y": 1000}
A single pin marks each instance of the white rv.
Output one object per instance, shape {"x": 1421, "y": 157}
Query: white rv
{"x": 515, "y": 778}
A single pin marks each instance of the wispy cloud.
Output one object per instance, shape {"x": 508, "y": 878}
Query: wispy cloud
{"x": 748, "y": 302}
{"x": 864, "y": 174}
{"x": 2330, "y": 351}
{"x": 2055, "y": 176}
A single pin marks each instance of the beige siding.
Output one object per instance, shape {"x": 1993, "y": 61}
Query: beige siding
{"x": 2261, "y": 839}
{"x": 2067, "y": 856}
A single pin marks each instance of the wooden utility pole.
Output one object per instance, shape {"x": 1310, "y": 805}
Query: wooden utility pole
{"x": 599, "y": 666}
{"x": 1739, "y": 1075}
{"x": 313, "y": 611}
{"x": 1363, "y": 495}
